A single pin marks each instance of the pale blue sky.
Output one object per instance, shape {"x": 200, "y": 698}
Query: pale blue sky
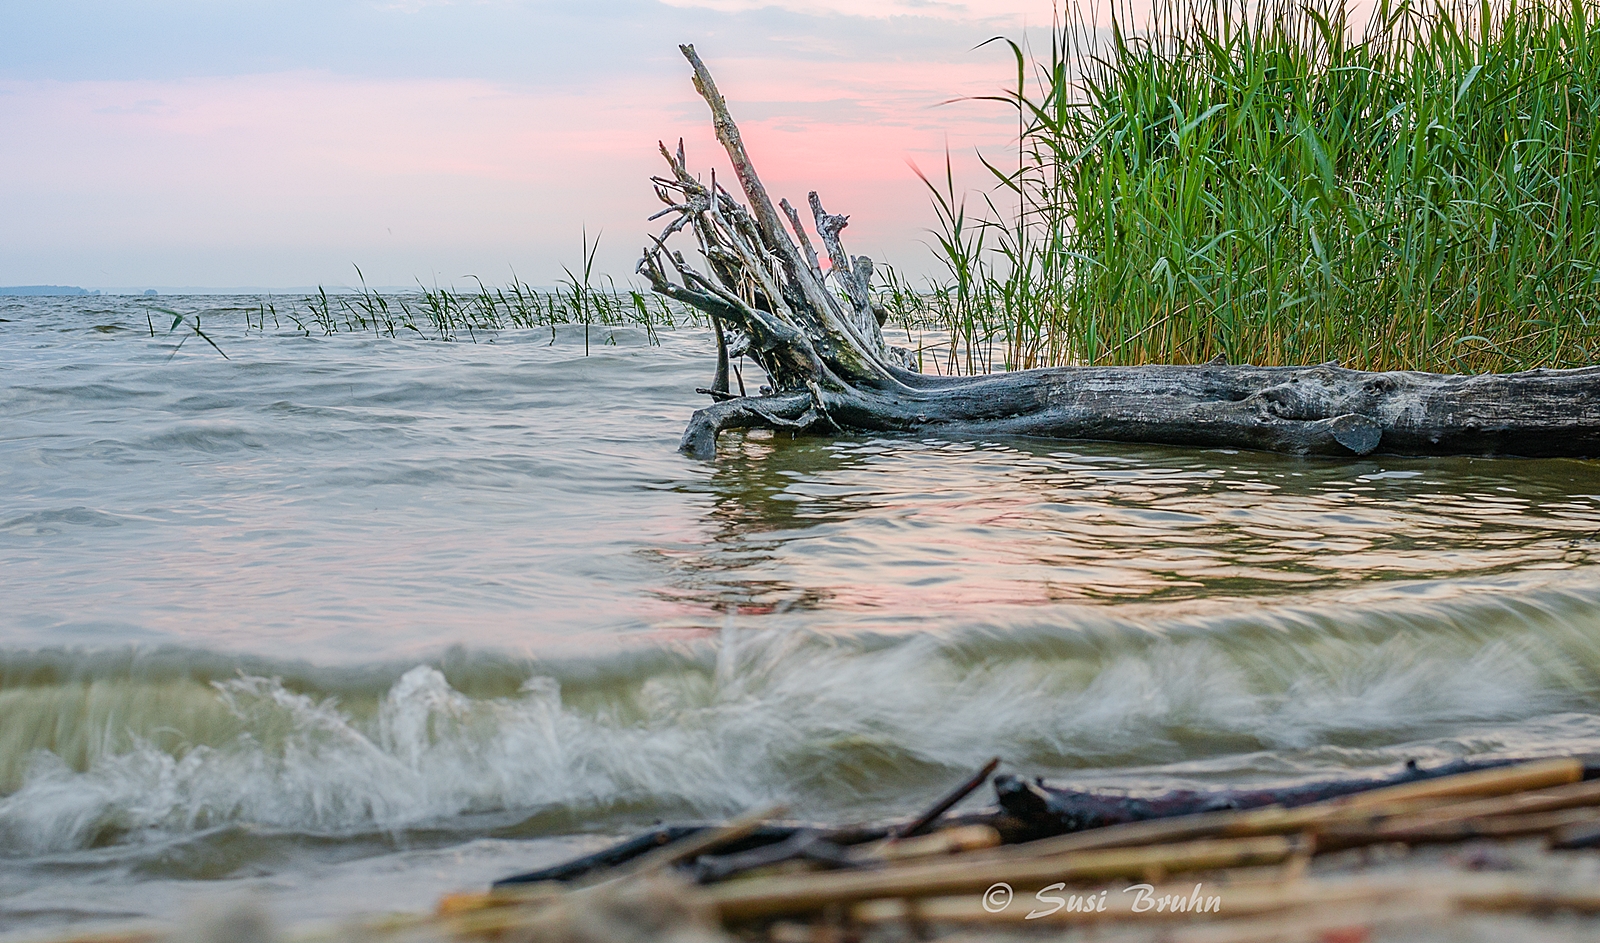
{"x": 277, "y": 143}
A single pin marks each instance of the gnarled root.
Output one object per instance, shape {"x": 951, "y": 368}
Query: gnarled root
{"x": 795, "y": 412}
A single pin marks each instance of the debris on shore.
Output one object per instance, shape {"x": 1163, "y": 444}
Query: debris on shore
{"x": 1467, "y": 850}
{"x": 1325, "y": 861}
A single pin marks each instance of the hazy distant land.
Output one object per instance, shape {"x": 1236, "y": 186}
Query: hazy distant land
{"x": 45, "y": 290}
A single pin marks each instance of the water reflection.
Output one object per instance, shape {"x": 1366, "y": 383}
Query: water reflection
{"x": 367, "y": 498}
{"x": 760, "y": 511}
{"x": 920, "y": 526}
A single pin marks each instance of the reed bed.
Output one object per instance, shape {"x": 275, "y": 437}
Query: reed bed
{"x": 450, "y": 315}
{"x": 1267, "y": 182}
{"x": 446, "y": 314}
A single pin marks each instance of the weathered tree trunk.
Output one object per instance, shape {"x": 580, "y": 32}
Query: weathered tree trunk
{"x": 830, "y": 370}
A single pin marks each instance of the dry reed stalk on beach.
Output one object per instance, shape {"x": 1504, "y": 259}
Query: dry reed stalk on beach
{"x": 772, "y": 896}
{"x": 1239, "y": 899}
{"x": 1452, "y": 830}
{"x": 1569, "y": 796}
{"x": 938, "y": 880}
{"x": 959, "y": 839}
{"x": 692, "y": 847}
{"x": 1258, "y": 877}
{"x": 1388, "y": 801}
{"x": 1250, "y": 897}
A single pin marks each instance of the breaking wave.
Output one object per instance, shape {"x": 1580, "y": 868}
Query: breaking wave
{"x": 102, "y": 748}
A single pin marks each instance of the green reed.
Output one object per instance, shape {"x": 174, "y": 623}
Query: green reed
{"x": 1266, "y": 182}
{"x": 448, "y": 314}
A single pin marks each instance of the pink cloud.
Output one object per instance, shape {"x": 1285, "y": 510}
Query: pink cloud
{"x": 289, "y": 177}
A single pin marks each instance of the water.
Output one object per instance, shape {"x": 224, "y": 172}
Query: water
{"x": 348, "y": 623}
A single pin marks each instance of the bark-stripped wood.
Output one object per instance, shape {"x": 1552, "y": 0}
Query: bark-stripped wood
{"x": 832, "y": 372}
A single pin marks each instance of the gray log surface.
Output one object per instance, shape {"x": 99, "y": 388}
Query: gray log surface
{"x": 831, "y": 371}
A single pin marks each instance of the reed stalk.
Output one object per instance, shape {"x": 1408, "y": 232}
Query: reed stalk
{"x": 447, "y": 314}
{"x": 1267, "y": 182}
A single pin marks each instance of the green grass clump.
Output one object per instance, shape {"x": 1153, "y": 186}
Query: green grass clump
{"x": 1266, "y": 182}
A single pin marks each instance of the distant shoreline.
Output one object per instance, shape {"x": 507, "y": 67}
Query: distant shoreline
{"x": 36, "y": 290}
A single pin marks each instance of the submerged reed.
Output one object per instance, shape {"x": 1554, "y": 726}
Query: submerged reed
{"x": 450, "y": 315}
{"x": 1262, "y": 181}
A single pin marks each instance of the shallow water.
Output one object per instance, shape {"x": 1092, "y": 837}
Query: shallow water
{"x": 351, "y": 622}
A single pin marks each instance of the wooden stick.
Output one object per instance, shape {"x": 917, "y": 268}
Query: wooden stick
{"x": 1575, "y": 836}
{"x": 768, "y": 224}
{"x": 946, "y": 841}
{"x": 1235, "y": 899}
{"x": 920, "y": 824}
{"x": 1427, "y": 900}
{"x": 1406, "y": 798}
{"x": 762, "y": 897}
{"x": 1501, "y": 781}
{"x": 1571, "y": 796}
{"x": 728, "y": 136}
{"x": 693, "y": 846}
{"x": 1451, "y": 830}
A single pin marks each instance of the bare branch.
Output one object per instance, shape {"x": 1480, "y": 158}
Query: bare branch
{"x": 805, "y": 241}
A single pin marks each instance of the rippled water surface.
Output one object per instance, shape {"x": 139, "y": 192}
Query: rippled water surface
{"x": 350, "y": 622}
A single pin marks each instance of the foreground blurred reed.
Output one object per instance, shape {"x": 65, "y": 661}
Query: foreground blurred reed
{"x": 1504, "y": 853}
{"x": 1270, "y": 183}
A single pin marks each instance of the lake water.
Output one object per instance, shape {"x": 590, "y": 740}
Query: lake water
{"x": 346, "y": 623}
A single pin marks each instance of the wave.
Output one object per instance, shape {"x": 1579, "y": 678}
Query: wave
{"x": 105, "y": 747}
{"x": 51, "y": 522}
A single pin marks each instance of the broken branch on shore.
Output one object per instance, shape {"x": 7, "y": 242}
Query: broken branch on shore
{"x": 830, "y": 370}
{"x": 1243, "y": 870}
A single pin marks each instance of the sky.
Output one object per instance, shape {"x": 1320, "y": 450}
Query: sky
{"x": 283, "y": 143}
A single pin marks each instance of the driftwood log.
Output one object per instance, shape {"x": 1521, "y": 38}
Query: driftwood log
{"x": 1052, "y": 810}
{"x": 817, "y": 336}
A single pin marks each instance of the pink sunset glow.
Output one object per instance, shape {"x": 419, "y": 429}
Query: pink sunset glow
{"x": 292, "y": 177}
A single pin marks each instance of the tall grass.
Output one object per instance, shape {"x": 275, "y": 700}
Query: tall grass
{"x": 1270, "y": 182}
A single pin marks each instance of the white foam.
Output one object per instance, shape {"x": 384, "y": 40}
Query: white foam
{"x": 794, "y": 716}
